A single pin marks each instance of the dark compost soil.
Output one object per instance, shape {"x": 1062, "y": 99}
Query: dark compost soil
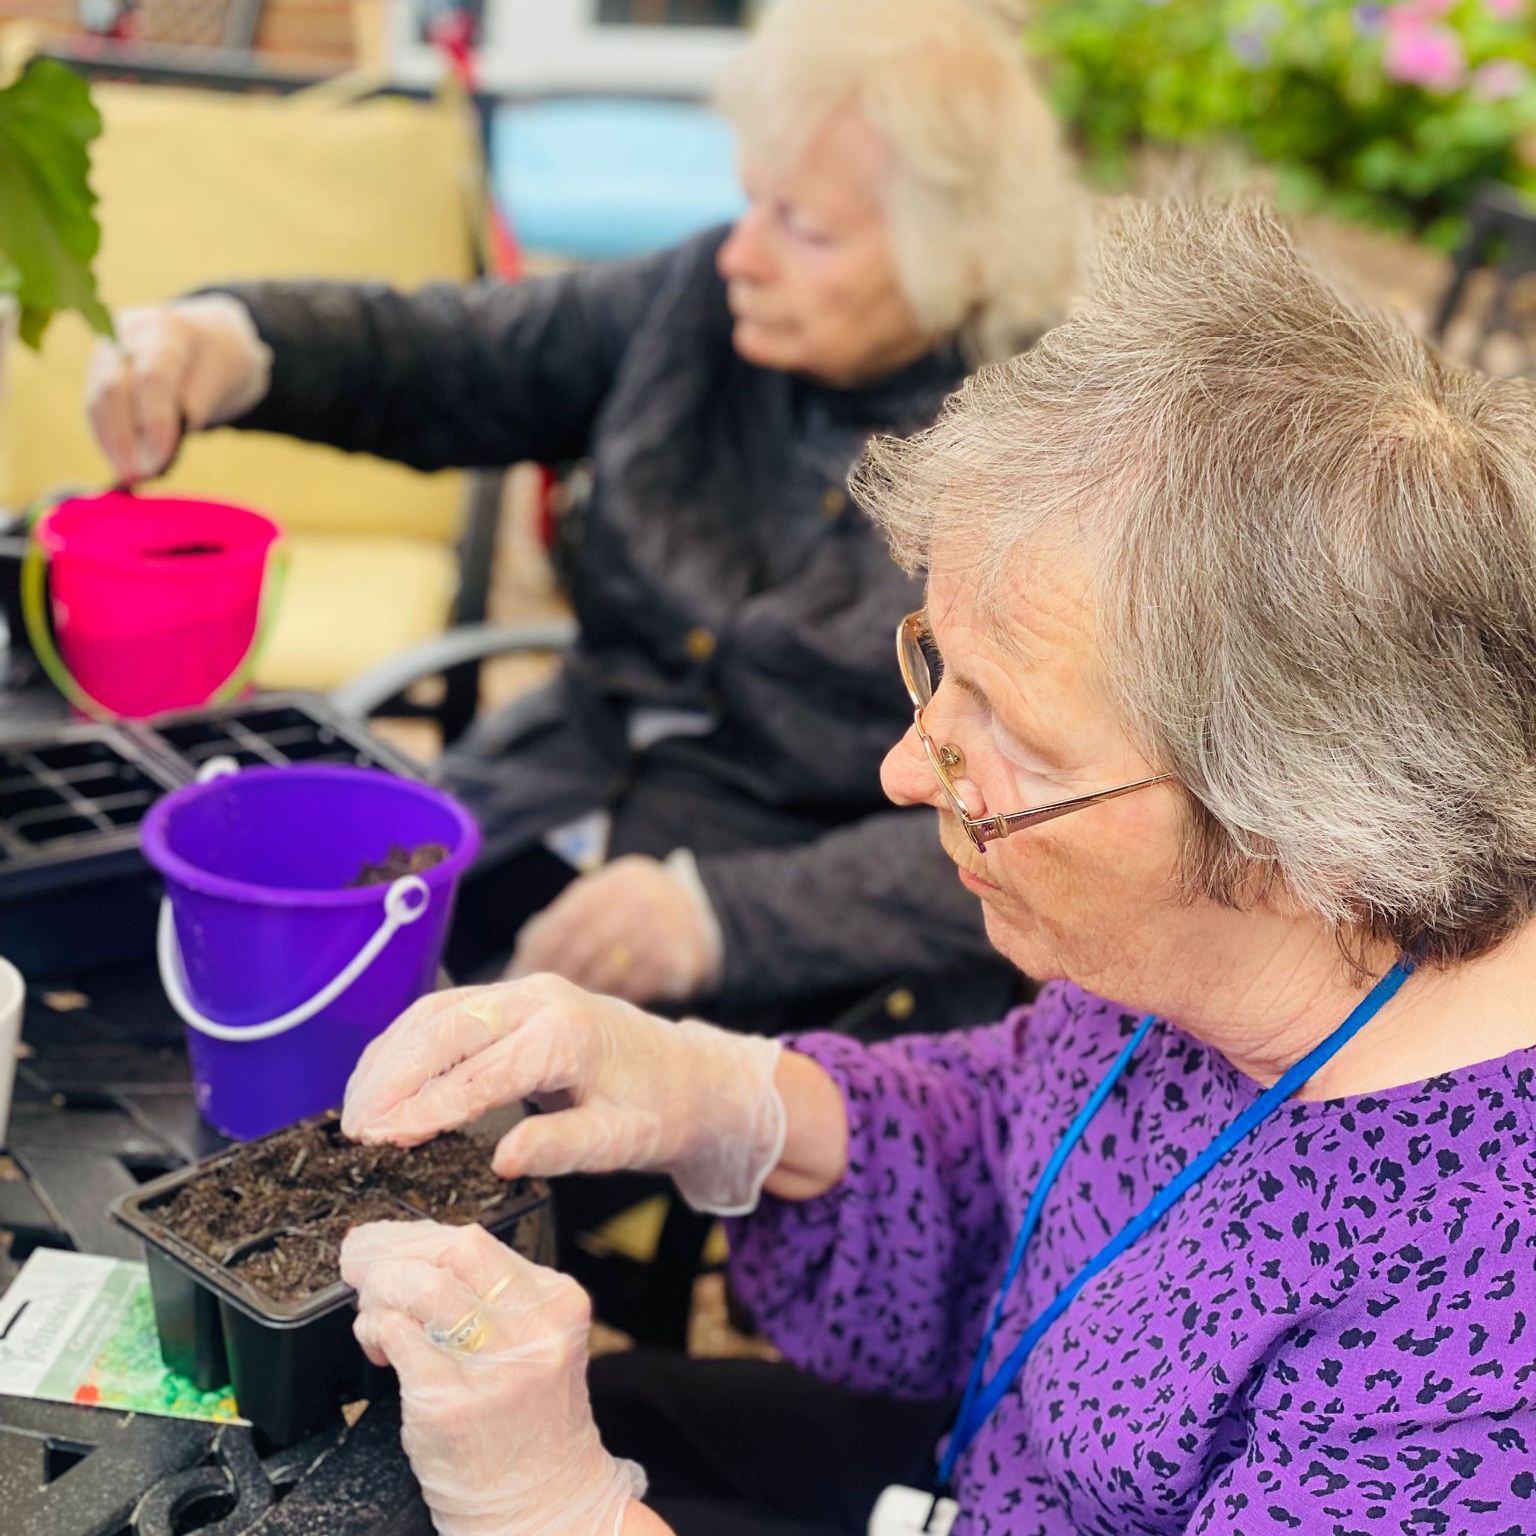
{"x": 180, "y": 551}
{"x": 402, "y": 861}
{"x": 275, "y": 1212}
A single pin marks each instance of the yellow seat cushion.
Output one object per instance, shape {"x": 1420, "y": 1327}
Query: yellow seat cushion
{"x": 352, "y": 602}
{"x": 199, "y": 187}
{"x": 636, "y": 1234}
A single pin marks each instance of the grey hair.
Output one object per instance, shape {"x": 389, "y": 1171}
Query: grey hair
{"x": 1311, "y": 553}
{"x": 981, "y": 201}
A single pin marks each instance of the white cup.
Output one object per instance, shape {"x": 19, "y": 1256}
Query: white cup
{"x": 13, "y": 992}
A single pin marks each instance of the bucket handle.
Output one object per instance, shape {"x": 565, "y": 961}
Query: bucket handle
{"x": 398, "y": 914}
{"x": 34, "y": 566}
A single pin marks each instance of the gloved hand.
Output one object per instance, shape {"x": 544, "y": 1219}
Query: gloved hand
{"x": 637, "y": 928}
{"x": 622, "y": 1088}
{"x": 491, "y": 1352}
{"x": 190, "y": 364}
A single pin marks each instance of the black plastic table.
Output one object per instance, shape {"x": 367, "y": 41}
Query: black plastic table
{"x": 102, "y": 1101}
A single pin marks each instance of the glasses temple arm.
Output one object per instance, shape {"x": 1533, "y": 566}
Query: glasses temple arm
{"x": 1012, "y": 821}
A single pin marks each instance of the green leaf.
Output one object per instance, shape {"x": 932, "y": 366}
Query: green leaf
{"x": 48, "y": 232}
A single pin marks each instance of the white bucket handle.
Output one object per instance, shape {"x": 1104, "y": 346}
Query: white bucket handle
{"x": 398, "y": 914}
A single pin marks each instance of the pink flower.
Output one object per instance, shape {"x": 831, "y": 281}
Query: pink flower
{"x": 1421, "y": 53}
{"x": 1508, "y": 10}
{"x": 1499, "y": 79}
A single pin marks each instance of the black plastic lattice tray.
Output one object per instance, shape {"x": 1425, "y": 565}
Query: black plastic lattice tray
{"x": 271, "y": 731}
{"x": 74, "y": 890}
{"x": 75, "y": 791}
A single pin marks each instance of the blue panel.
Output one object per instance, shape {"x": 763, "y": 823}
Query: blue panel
{"x": 595, "y": 177}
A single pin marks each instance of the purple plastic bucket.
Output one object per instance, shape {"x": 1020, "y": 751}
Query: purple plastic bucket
{"x": 257, "y": 870}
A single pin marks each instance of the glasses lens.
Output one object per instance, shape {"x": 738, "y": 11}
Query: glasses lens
{"x": 936, "y": 755}
{"x": 919, "y": 663}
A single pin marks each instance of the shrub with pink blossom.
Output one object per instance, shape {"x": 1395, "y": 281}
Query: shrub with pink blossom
{"x": 1423, "y": 52}
{"x": 1394, "y": 111}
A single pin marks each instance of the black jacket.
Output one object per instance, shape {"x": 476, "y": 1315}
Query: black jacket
{"x": 721, "y": 568}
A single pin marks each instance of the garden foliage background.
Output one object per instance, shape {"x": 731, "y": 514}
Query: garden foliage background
{"x": 1390, "y": 113}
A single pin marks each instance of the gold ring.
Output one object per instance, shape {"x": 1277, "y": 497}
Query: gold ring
{"x": 466, "y": 1337}
{"x": 476, "y": 1012}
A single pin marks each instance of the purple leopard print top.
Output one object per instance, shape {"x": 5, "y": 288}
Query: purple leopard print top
{"x": 1334, "y": 1333}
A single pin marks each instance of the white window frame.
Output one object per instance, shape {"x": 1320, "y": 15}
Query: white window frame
{"x": 538, "y": 47}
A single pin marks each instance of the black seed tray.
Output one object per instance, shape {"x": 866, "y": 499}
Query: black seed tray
{"x": 74, "y": 890}
{"x": 81, "y": 788}
{"x": 271, "y": 730}
{"x": 72, "y": 881}
{"x": 291, "y": 1364}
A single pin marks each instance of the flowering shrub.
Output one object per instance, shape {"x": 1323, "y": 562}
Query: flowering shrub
{"x": 1393, "y": 112}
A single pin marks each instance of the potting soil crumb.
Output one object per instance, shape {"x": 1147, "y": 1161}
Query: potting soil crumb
{"x": 402, "y": 861}
{"x": 275, "y": 1211}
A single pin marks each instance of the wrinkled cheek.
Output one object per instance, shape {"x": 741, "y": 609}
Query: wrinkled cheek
{"x": 1042, "y": 884}
{"x": 1141, "y": 855}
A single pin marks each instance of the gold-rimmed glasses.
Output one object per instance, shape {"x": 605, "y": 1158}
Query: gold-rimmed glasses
{"x": 948, "y": 762}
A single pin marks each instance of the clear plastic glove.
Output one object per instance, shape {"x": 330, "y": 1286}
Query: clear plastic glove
{"x": 621, "y": 1088}
{"x": 186, "y": 365}
{"x": 637, "y": 928}
{"x": 491, "y": 1352}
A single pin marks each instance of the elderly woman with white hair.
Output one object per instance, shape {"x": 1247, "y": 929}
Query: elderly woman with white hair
{"x": 715, "y": 738}
{"x": 1225, "y": 693}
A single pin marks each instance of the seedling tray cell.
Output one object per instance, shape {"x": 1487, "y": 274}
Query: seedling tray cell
{"x": 73, "y": 888}
{"x": 75, "y": 793}
{"x": 273, "y": 732}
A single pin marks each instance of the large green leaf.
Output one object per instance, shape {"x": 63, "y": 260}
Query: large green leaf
{"x": 48, "y": 230}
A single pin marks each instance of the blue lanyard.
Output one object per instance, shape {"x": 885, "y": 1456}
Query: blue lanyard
{"x": 982, "y": 1398}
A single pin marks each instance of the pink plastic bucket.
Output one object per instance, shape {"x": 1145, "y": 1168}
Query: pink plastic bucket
{"x": 156, "y": 600}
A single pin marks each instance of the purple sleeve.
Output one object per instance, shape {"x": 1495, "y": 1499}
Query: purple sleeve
{"x": 882, "y": 1283}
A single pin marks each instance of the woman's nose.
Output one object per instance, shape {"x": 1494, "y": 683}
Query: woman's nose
{"x": 743, "y": 256}
{"x": 906, "y": 775}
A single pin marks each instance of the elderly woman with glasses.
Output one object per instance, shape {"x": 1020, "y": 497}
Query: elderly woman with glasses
{"x": 1234, "y": 1230}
